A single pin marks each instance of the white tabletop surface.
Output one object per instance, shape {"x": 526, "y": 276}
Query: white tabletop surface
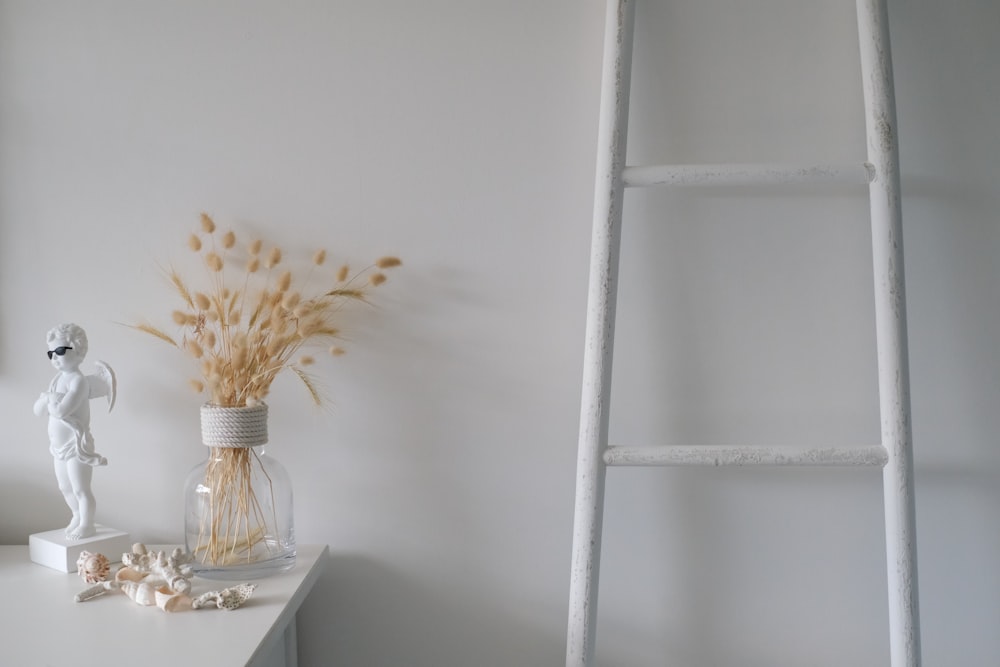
{"x": 40, "y": 624}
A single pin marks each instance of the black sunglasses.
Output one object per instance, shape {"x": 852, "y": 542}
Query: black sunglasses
{"x": 61, "y": 350}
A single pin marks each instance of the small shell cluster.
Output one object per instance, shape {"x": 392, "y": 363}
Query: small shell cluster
{"x": 153, "y": 578}
{"x": 174, "y": 570}
{"x": 93, "y": 567}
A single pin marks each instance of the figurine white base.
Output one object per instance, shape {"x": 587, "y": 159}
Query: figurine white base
{"x": 53, "y": 549}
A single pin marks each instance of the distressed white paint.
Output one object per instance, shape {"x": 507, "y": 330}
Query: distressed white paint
{"x": 881, "y": 173}
{"x": 890, "y": 324}
{"x": 745, "y": 455}
{"x": 678, "y": 175}
{"x": 595, "y": 402}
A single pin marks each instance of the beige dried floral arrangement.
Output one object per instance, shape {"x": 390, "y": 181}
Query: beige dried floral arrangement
{"x": 244, "y": 334}
{"x": 241, "y": 335}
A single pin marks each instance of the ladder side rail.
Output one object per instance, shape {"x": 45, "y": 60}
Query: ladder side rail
{"x": 595, "y": 402}
{"x": 890, "y": 321}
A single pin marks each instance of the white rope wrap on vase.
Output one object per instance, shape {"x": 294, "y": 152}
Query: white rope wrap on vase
{"x": 234, "y": 427}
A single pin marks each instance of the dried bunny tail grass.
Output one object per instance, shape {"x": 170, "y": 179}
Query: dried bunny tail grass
{"x": 276, "y": 344}
{"x": 240, "y": 339}
{"x": 306, "y": 327}
{"x": 234, "y": 298}
{"x": 262, "y": 301}
{"x": 153, "y": 331}
{"x": 197, "y": 385}
{"x": 207, "y": 224}
{"x": 240, "y": 356}
{"x": 219, "y": 311}
{"x": 214, "y": 262}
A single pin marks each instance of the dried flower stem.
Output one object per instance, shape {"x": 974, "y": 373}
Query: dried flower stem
{"x": 236, "y": 522}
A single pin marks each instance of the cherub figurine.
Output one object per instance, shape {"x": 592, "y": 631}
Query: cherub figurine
{"x": 67, "y": 403}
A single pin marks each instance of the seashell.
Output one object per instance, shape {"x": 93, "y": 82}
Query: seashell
{"x": 179, "y": 584}
{"x": 129, "y": 574}
{"x": 228, "y": 598}
{"x": 93, "y": 567}
{"x": 237, "y": 595}
{"x": 95, "y": 591}
{"x": 167, "y": 600}
{"x": 134, "y": 557}
{"x": 140, "y": 592}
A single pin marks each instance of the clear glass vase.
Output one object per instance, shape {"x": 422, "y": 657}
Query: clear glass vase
{"x": 238, "y": 519}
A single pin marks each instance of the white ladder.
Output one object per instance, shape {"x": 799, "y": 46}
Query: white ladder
{"x": 881, "y": 173}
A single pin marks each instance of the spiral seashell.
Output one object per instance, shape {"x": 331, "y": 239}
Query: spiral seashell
{"x": 93, "y": 567}
{"x": 140, "y": 593}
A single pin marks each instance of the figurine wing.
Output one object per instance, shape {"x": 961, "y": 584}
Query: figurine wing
{"x": 104, "y": 383}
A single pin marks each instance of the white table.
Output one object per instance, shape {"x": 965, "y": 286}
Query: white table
{"x": 43, "y": 626}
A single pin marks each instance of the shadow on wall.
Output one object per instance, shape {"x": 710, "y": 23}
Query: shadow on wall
{"x": 958, "y": 549}
{"x": 364, "y": 612}
{"x": 47, "y": 509}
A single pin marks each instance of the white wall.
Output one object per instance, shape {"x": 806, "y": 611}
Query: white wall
{"x": 461, "y": 136}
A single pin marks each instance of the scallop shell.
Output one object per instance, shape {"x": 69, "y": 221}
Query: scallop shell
{"x": 93, "y": 567}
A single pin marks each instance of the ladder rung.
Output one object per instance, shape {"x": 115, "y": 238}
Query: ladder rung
{"x": 860, "y": 173}
{"x": 745, "y": 455}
